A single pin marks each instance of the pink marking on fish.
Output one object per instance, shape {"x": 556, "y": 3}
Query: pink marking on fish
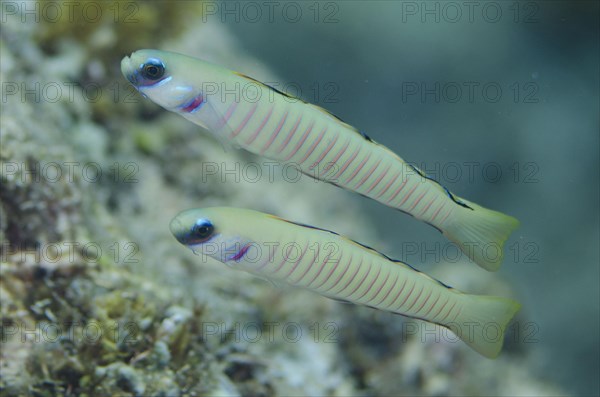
{"x": 259, "y": 129}
{"x": 380, "y": 287}
{"x": 370, "y": 286}
{"x": 339, "y": 277}
{"x": 360, "y": 183}
{"x": 239, "y": 129}
{"x": 337, "y": 156}
{"x": 398, "y": 190}
{"x": 409, "y": 293}
{"x": 432, "y": 306}
{"x": 424, "y": 302}
{"x": 297, "y": 262}
{"x": 359, "y": 168}
{"x": 346, "y": 164}
{"x": 289, "y": 135}
{"x": 353, "y": 277}
{"x": 408, "y": 195}
{"x": 321, "y": 269}
{"x": 275, "y": 133}
{"x": 441, "y": 308}
{"x": 418, "y": 200}
{"x": 313, "y": 146}
{"x": 390, "y": 290}
{"x": 301, "y": 141}
{"x": 379, "y": 179}
{"x": 363, "y": 280}
{"x": 427, "y": 206}
{"x": 225, "y": 119}
{"x": 398, "y": 294}
{"x": 241, "y": 253}
{"x": 325, "y": 152}
{"x": 437, "y": 212}
{"x": 306, "y": 271}
{"x": 457, "y": 314}
{"x": 418, "y": 296}
{"x": 387, "y": 186}
{"x": 194, "y": 104}
{"x": 446, "y": 217}
{"x": 280, "y": 265}
{"x": 449, "y": 311}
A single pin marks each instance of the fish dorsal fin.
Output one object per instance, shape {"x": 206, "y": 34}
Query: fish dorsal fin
{"x": 260, "y": 83}
{"x": 363, "y": 246}
{"x": 344, "y": 301}
{"x": 304, "y": 225}
{"x": 336, "y": 118}
{"x": 448, "y": 193}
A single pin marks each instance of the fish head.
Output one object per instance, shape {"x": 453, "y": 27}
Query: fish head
{"x": 164, "y": 78}
{"x": 212, "y": 232}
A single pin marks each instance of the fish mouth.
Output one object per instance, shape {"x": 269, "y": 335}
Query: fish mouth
{"x": 129, "y": 71}
{"x": 178, "y": 231}
{"x": 192, "y": 105}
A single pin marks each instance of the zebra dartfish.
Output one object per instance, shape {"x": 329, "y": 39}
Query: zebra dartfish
{"x": 324, "y": 262}
{"x": 275, "y": 125}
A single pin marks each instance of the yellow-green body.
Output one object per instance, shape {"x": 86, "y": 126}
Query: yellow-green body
{"x": 339, "y": 268}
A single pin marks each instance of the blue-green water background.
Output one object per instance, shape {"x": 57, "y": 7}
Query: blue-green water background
{"x": 374, "y": 51}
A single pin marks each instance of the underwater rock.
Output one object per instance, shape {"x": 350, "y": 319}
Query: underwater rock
{"x": 125, "y": 377}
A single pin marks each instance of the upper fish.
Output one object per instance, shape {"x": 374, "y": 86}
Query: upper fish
{"x": 275, "y": 125}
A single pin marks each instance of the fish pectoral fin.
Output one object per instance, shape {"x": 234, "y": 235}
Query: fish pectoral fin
{"x": 346, "y": 302}
{"x": 214, "y": 122}
{"x": 277, "y": 284}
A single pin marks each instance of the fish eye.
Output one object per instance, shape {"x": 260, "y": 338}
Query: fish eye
{"x": 201, "y": 230}
{"x": 153, "y": 69}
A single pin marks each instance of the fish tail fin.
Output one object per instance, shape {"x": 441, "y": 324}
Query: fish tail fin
{"x": 480, "y": 233}
{"x": 482, "y": 322}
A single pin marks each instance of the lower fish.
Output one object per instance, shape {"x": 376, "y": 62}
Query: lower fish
{"x": 246, "y": 113}
{"x": 298, "y": 255}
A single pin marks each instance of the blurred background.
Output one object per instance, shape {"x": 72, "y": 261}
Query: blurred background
{"x": 497, "y": 100}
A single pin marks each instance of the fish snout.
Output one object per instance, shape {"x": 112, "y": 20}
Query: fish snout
{"x": 178, "y": 231}
{"x": 129, "y": 71}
